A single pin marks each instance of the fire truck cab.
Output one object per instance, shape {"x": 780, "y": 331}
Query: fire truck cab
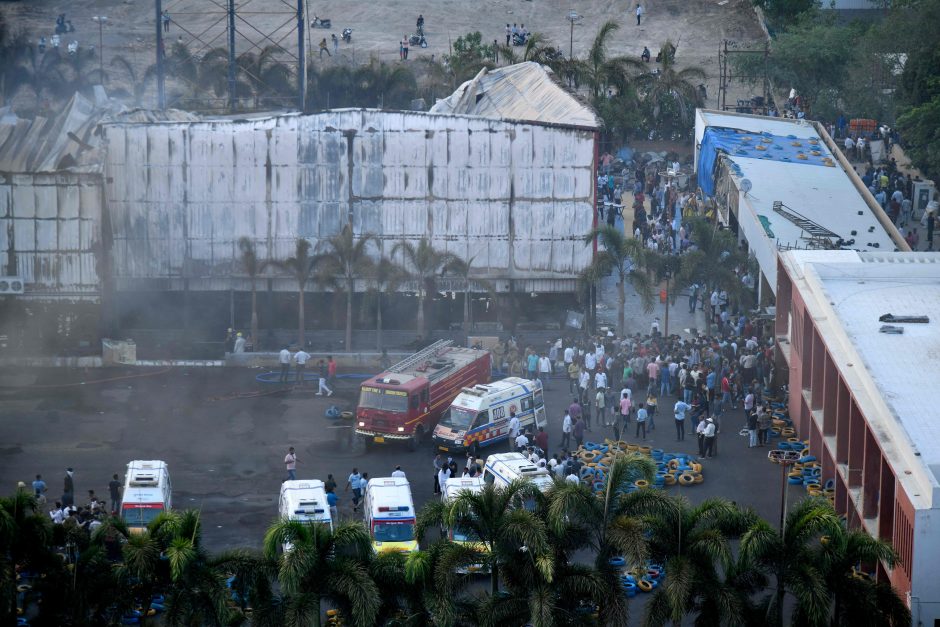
{"x": 405, "y": 401}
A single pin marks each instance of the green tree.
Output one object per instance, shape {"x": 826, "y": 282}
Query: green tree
{"x": 25, "y": 535}
{"x": 600, "y": 71}
{"x": 424, "y": 264}
{"x": 383, "y": 85}
{"x": 468, "y": 56}
{"x": 672, "y": 94}
{"x": 14, "y": 51}
{"x": 344, "y": 260}
{"x": 300, "y": 267}
{"x": 465, "y": 272}
{"x": 441, "y": 596}
{"x": 624, "y": 256}
{"x": 323, "y": 564}
{"x": 138, "y": 85}
{"x": 253, "y": 267}
{"x": 783, "y": 13}
{"x": 385, "y": 277}
{"x": 265, "y": 77}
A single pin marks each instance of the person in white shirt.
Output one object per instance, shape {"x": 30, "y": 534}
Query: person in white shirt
{"x": 600, "y": 380}
{"x": 599, "y": 351}
{"x": 521, "y": 442}
{"x": 300, "y": 358}
{"x": 654, "y": 327}
{"x": 590, "y": 362}
{"x": 584, "y": 381}
{"x": 57, "y": 514}
{"x": 239, "y": 343}
{"x": 849, "y": 147}
{"x": 566, "y": 430}
{"x": 513, "y": 429}
{"x": 709, "y": 435}
{"x": 573, "y": 478}
{"x": 284, "y": 358}
{"x": 443, "y": 475}
{"x": 398, "y": 472}
{"x": 569, "y": 355}
{"x": 545, "y": 370}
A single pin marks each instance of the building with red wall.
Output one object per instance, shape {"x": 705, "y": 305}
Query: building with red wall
{"x": 867, "y": 400}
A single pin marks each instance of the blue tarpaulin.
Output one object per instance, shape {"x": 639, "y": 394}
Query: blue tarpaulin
{"x": 734, "y": 142}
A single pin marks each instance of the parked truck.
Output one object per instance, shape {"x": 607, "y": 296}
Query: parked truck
{"x": 406, "y": 401}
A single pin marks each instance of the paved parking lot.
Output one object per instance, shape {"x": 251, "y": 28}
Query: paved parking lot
{"x": 224, "y": 437}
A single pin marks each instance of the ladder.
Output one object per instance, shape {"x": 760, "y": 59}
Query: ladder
{"x": 814, "y": 229}
{"x": 421, "y": 356}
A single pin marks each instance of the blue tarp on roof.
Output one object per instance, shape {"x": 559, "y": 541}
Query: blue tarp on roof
{"x": 731, "y": 141}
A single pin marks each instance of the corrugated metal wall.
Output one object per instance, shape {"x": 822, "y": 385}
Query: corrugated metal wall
{"x": 518, "y": 197}
{"x": 52, "y": 222}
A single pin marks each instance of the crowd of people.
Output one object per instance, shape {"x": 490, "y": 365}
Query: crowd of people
{"x": 66, "y": 510}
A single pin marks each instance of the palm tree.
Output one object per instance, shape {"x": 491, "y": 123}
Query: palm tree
{"x": 599, "y": 71}
{"x": 694, "y": 545}
{"x": 300, "y": 267}
{"x": 344, "y": 260}
{"x": 265, "y": 76}
{"x": 323, "y": 564}
{"x": 859, "y": 600}
{"x": 789, "y": 557}
{"x": 252, "y": 267}
{"x": 25, "y": 535}
{"x": 14, "y": 52}
{"x": 625, "y": 256}
{"x": 385, "y": 277}
{"x": 424, "y": 264}
{"x": 464, "y": 272}
{"x": 383, "y": 85}
{"x": 138, "y": 85}
{"x": 671, "y": 89}
{"x": 440, "y": 594}
{"x": 537, "y": 48}
{"x": 43, "y": 74}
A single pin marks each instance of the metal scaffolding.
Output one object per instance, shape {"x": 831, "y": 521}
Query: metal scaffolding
{"x": 728, "y": 75}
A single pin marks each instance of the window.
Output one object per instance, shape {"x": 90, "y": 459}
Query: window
{"x": 538, "y": 399}
{"x": 424, "y": 396}
{"x": 482, "y": 418}
{"x": 527, "y": 403}
{"x": 414, "y": 401}
{"x": 389, "y": 400}
{"x": 488, "y": 477}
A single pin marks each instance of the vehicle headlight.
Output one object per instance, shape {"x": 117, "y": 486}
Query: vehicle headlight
{"x": 362, "y": 424}
{"x": 401, "y": 429}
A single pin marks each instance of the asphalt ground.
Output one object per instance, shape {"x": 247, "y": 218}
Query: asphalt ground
{"x": 224, "y": 437}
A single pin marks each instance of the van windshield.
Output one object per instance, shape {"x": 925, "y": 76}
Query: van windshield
{"x": 140, "y": 515}
{"x": 393, "y": 532}
{"x": 388, "y": 400}
{"x": 458, "y": 418}
{"x": 465, "y": 535}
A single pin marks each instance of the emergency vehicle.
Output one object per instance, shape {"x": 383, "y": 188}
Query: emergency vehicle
{"x": 305, "y": 500}
{"x": 390, "y": 514}
{"x": 501, "y": 469}
{"x": 479, "y": 416}
{"x": 405, "y": 401}
{"x": 449, "y": 491}
{"x": 147, "y": 492}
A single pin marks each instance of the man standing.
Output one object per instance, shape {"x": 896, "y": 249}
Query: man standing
{"x": 641, "y": 416}
{"x": 300, "y": 358}
{"x": 752, "y": 429}
{"x": 68, "y": 488}
{"x": 578, "y": 430}
{"x": 584, "y": 380}
{"x": 700, "y": 434}
{"x": 532, "y": 364}
{"x": 522, "y": 442}
{"x": 39, "y": 489}
{"x": 679, "y": 409}
{"x": 290, "y": 462}
{"x": 114, "y": 491}
{"x": 331, "y": 371}
{"x": 763, "y": 427}
{"x": 332, "y": 500}
{"x": 545, "y": 370}
{"x": 513, "y": 430}
{"x": 639, "y": 13}
{"x": 709, "y": 436}
{"x": 541, "y": 440}
{"x": 284, "y": 358}
{"x": 573, "y": 375}
{"x": 324, "y": 375}
{"x": 353, "y": 483}
{"x": 438, "y": 464}
{"x": 566, "y": 430}
{"x": 398, "y": 472}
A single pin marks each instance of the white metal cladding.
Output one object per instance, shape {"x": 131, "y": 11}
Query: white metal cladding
{"x": 517, "y": 197}
{"x": 52, "y": 222}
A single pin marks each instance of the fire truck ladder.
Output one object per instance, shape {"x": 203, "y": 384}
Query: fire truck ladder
{"x": 421, "y": 356}
{"x": 814, "y": 229}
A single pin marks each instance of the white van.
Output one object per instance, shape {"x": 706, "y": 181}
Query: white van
{"x": 305, "y": 500}
{"x": 390, "y": 514}
{"x": 147, "y": 492}
{"x": 449, "y": 491}
{"x": 501, "y": 469}
{"x": 479, "y": 416}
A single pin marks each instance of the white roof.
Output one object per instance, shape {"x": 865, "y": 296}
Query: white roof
{"x": 472, "y": 398}
{"x": 390, "y": 492}
{"x": 902, "y": 368}
{"x": 306, "y": 500}
{"x": 458, "y": 484}
{"x": 524, "y": 91}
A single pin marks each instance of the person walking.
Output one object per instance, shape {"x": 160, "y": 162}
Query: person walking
{"x": 600, "y": 398}
{"x": 404, "y": 47}
{"x": 443, "y": 475}
{"x": 39, "y": 489}
{"x": 324, "y": 48}
{"x": 284, "y": 358}
{"x": 574, "y": 372}
{"x": 566, "y": 430}
{"x": 639, "y": 13}
{"x": 763, "y": 428}
{"x": 300, "y": 358}
{"x": 514, "y": 427}
{"x": 679, "y": 411}
{"x": 641, "y": 417}
{"x": 438, "y": 464}
{"x": 545, "y": 370}
{"x": 68, "y": 487}
{"x": 352, "y": 483}
{"x": 578, "y": 431}
{"x": 752, "y": 429}
{"x": 290, "y": 463}
{"x": 166, "y": 21}
{"x": 335, "y": 43}
{"x": 708, "y": 437}
{"x": 114, "y": 491}
{"x": 541, "y": 440}
{"x": 331, "y": 371}
{"x": 333, "y": 501}
{"x": 324, "y": 376}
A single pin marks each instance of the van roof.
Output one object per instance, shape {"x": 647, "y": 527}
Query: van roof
{"x": 511, "y": 466}
{"x": 145, "y": 474}
{"x": 486, "y": 393}
{"x": 390, "y": 497}
{"x": 305, "y": 500}
{"x": 458, "y": 484}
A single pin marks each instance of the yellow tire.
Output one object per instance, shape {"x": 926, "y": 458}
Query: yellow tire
{"x": 795, "y": 474}
{"x": 644, "y": 585}
{"x": 645, "y": 450}
{"x": 686, "y": 479}
{"x": 698, "y": 478}
{"x": 696, "y": 467}
{"x": 331, "y": 613}
{"x": 641, "y": 483}
{"x": 805, "y": 452}
{"x": 669, "y": 479}
{"x": 673, "y": 463}
{"x": 633, "y": 447}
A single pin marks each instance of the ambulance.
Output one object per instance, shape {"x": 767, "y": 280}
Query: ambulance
{"x": 305, "y": 500}
{"x": 449, "y": 491}
{"x": 479, "y": 416}
{"x": 147, "y": 493}
{"x": 390, "y": 514}
{"x": 501, "y": 469}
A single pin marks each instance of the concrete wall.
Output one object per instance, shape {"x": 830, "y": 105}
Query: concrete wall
{"x": 52, "y": 225}
{"x": 517, "y": 197}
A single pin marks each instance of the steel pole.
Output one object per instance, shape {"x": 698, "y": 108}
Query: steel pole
{"x": 302, "y": 60}
{"x": 783, "y": 496}
{"x": 571, "y": 41}
{"x": 231, "y": 55}
{"x": 161, "y": 54}
{"x": 101, "y": 49}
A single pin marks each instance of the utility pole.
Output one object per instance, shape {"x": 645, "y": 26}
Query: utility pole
{"x": 161, "y": 55}
{"x": 572, "y": 17}
{"x": 231, "y": 55}
{"x": 101, "y": 20}
{"x": 302, "y": 60}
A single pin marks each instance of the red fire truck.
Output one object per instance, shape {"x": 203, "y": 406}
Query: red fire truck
{"x": 406, "y": 401}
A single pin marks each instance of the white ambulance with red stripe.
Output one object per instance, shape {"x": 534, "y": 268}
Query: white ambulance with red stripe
{"x": 147, "y": 493}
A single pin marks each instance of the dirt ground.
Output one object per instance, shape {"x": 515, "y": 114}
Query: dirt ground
{"x": 696, "y": 26}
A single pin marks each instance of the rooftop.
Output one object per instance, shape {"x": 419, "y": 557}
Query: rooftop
{"x": 860, "y": 287}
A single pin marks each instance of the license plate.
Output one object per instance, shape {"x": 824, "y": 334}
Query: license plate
{"x": 443, "y": 448}
{"x": 378, "y": 439}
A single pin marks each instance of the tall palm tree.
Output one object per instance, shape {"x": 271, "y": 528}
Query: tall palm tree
{"x": 267, "y": 78}
{"x": 14, "y": 53}
{"x": 424, "y": 264}
{"x": 694, "y": 544}
{"x": 344, "y": 259}
{"x": 464, "y": 271}
{"x": 384, "y": 85}
{"x": 790, "y": 558}
{"x": 859, "y": 600}
{"x": 625, "y": 256}
{"x": 672, "y": 89}
{"x": 138, "y": 85}
{"x": 441, "y": 595}
{"x": 25, "y": 536}
{"x": 323, "y": 564}
{"x": 300, "y": 267}
{"x": 537, "y": 48}
{"x": 252, "y": 267}
{"x": 600, "y": 71}
{"x": 385, "y": 277}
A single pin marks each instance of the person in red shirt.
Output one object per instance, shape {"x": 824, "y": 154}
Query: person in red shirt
{"x": 330, "y": 370}
{"x": 725, "y": 402}
{"x": 541, "y": 440}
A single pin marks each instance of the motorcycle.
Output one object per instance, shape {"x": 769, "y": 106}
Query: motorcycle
{"x": 321, "y": 23}
{"x": 347, "y": 35}
{"x": 418, "y": 40}
{"x": 518, "y": 39}
{"x": 63, "y": 25}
